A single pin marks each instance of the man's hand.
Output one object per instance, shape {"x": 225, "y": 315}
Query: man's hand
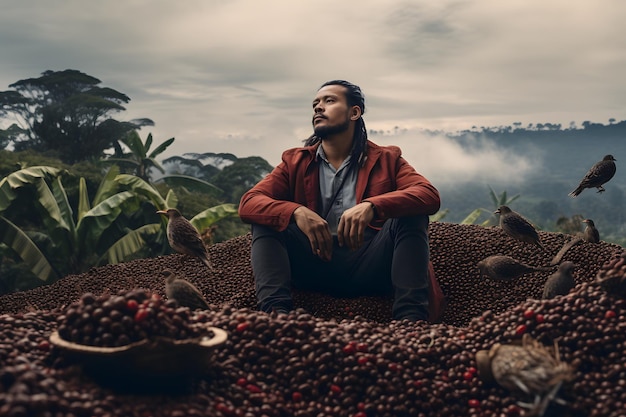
{"x": 317, "y": 230}
{"x": 352, "y": 225}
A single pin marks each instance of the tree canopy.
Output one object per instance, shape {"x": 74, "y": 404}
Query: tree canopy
{"x": 65, "y": 111}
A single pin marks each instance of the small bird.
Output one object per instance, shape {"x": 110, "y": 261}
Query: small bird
{"x": 600, "y": 173}
{"x": 529, "y": 368}
{"x": 183, "y": 292}
{"x": 561, "y": 282}
{"x": 184, "y": 238}
{"x": 506, "y": 268}
{"x": 590, "y": 233}
{"x": 517, "y": 227}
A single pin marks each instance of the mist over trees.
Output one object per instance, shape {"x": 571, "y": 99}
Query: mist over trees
{"x": 563, "y": 155}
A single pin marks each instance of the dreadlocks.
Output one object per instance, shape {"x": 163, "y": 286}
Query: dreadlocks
{"x": 354, "y": 97}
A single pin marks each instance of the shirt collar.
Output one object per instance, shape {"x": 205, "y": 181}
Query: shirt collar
{"x": 321, "y": 154}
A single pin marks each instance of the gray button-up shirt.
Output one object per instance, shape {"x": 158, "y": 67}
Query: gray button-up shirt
{"x": 341, "y": 182}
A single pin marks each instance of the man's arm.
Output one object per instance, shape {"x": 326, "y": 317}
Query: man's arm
{"x": 414, "y": 195}
{"x": 269, "y": 202}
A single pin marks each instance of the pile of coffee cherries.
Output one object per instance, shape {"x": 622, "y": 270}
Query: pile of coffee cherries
{"x": 117, "y": 320}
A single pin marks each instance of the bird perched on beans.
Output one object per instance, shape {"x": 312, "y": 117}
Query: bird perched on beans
{"x": 517, "y": 227}
{"x": 590, "y": 233}
{"x": 506, "y": 268}
{"x": 599, "y": 174}
{"x": 183, "y": 292}
{"x": 184, "y": 238}
{"x": 529, "y": 368}
{"x": 561, "y": 282}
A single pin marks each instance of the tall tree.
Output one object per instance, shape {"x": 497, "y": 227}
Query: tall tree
{"x": 65, "y": 111}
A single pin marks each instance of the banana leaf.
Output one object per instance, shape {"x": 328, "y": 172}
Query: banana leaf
{"x": 83, "y": 199}
{"x": 159, "y": 149}
{"x": 97, "y": 220}
{"x": 472, "y": 217}
{"x": 54, "y": 220}
{"x": 133, "y": 141}
{"x": 108, "y": 186}
{"x": 23, "y": 177}
{"x": 191, "y": 183}
{"x": 142, "y": 188}
{"x": 208, "y": 217}
{"x": 171, "y": 199}
{"x": 439, "y": 215}
{"x": 16, "y": 239}
{"x": 129, "y": 244}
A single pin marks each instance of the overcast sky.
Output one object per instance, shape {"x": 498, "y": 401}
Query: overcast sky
{"x": 238, "y": 76}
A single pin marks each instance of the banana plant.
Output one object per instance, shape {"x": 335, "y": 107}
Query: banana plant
{"x": 201, "y": 221}
{"x": 498, "y": 200}
{"x": 71, "y": 241}
{"x": 140, "y": 158}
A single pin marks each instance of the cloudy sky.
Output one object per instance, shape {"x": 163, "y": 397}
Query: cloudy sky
{"x": 238, "y": 76}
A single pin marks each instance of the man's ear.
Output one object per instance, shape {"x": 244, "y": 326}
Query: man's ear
{"x": 355, "y": 113}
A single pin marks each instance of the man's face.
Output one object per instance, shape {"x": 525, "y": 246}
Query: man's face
{"x": 331, "y": 114}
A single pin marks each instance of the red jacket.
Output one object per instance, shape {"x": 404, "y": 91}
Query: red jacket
{"x": 385, "y": 179}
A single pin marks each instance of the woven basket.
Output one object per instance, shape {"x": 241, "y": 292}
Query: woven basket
{"x": 157, "y": 357}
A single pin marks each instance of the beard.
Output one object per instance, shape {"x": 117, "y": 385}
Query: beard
{"x": 324, "y": 132}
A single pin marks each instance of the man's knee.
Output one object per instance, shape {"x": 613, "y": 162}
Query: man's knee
{"x": 259, "y": 231}
{"x": 418, "y": 223}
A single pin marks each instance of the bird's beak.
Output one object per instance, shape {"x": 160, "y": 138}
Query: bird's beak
{"x": 161, "y": 212}
{"x": 497, "y": 211}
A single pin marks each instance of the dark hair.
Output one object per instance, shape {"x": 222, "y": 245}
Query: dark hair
{"x": 355, "y": 97}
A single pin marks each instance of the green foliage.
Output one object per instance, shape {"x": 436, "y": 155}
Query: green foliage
{"x": 439, "y": 216}
{"x": 236, "y": 177}
{"x": 241, "y": 175}
{"x": 59, "y": 238}
{"x": 497, "y": 200}
{"x": 472, "y": 217}
{"x": 67, "y": 112}
{"x": 570, "y": 225}
{"x": 139, "y": 159}
{"x": 64, "y": 241}
{"x": 191, "y": 184}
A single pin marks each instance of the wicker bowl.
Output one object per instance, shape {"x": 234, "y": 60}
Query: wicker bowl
{"x": 149, "y": 358}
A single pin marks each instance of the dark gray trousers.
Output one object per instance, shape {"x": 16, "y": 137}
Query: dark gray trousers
{"x": 392, "y": 261}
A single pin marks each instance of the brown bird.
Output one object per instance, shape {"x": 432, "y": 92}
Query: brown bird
{"x": 590, "y": 233}
{"x": 600, "y": 173}
{"x": 184, "y": 238}
{"x": 506, "y": 268}
{"x": 183, "y": 292}
{"x": 561, "y": 282}
{"x": 529, "y": 368}
{"x": 517, "y": 227}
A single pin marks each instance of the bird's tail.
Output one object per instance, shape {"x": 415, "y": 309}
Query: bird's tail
{"x": 567, "y": 246}
{"x": 576, "y": 192}
{"x": 207, "y": 262}
{"x": 544, "y": 268}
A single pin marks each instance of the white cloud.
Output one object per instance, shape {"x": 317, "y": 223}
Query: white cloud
{"x": 449, "y": 162}
{"x": 238, "y": 76}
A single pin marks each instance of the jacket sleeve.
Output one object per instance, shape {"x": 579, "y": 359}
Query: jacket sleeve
{"x": 412, "y": 194}
{"x": 270, "y": 201}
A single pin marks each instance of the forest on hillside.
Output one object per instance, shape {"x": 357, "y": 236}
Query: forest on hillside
{"x": 563, "y": 157}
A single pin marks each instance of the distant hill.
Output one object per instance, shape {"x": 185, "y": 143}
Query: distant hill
{"x": 565, "y": 157}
